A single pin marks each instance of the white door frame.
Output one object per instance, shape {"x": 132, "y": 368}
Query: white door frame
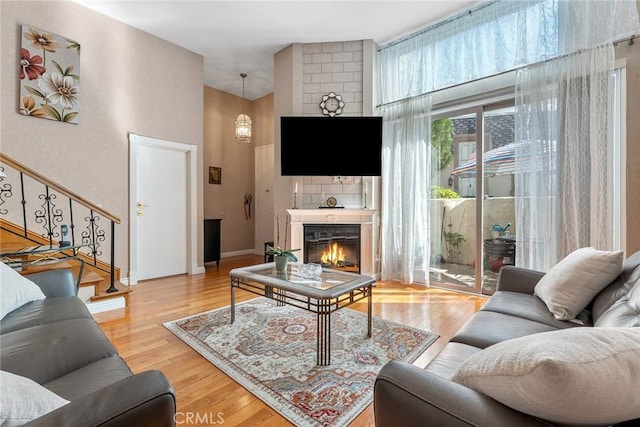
{"x": 192, "y": 185}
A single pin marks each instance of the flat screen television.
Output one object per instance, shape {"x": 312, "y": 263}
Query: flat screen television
{"x": 330, "y": 146}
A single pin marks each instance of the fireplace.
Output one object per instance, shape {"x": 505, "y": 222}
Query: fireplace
{"x": 365, "y": 221}
{"x": 335, "y": 246}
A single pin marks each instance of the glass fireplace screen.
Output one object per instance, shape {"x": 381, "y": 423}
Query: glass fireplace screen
{"x": 334, "y": 246}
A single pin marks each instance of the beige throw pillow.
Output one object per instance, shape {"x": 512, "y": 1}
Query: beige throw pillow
{"x": 22, "y": 400}
{"x": 578, "y": 375}
{"x": 15, "y": 290}
{"x": 569, "y": 286}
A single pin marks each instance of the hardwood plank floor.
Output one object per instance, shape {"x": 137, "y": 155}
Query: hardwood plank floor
{"x": 202, "y": 390}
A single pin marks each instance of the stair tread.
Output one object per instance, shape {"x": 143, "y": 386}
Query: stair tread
{"x": 90, "y": 278}
{"x": 123, "y": 290}
{"x": 46, "y": 265}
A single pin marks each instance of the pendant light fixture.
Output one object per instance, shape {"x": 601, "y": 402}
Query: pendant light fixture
{"x": 243, "y": 122}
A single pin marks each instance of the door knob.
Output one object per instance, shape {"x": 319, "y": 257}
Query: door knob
{"x": 140, "y": 208}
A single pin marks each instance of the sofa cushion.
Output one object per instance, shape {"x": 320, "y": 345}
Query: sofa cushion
{"x": 16, "y": 290}
{"x": 90, "y": 378}
{"x": 451, "y": 356}
{"x": 48, "y": 310}
{"x": 22, "y": 400}
{"x": 49, "y": 351}
{"x": 593, "y": 371}
{"x": 487, "y": 328}
{"x": 620, "y": 315}
{"x": 623, "y": 313}
{"x": 571, "y": 284}
{"x": 525, "y": 306}
{"x": 628, "y": 277}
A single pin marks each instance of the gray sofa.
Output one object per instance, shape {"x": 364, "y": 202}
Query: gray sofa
{"x": 55, "y": 342}
{"x": 407, "y": 395}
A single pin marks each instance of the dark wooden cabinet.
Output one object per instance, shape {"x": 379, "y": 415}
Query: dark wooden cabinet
{"x": 212, "y": 240}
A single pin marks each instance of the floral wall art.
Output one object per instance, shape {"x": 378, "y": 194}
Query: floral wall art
{"x": 49, "y": 76}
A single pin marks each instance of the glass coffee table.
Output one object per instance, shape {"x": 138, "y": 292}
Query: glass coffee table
{"x": 323, "y": 295}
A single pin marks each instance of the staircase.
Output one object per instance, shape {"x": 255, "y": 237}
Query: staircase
{"x": 34, "y": 211}
{"x": 93, "y": 285}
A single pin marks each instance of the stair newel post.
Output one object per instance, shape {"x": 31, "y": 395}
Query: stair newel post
{"x": 113, "y": 288}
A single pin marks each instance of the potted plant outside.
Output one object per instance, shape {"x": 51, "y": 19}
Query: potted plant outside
{"x": 453, "y": 240}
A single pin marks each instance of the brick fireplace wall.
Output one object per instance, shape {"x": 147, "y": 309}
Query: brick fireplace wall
{"x": 303, "y": 73}
{"x": 332, "y": 67}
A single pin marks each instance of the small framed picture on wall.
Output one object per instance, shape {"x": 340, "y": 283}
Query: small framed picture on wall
{"x": 215, "y": 175}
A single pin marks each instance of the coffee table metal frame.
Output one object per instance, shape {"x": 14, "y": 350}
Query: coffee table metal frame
{"x": 334, "y": 290}
{"x": 18, "y": 255}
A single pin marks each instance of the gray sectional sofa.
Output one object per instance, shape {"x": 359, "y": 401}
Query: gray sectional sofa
{"x": 56, "y": 343}
{"x": 434, "y": 396}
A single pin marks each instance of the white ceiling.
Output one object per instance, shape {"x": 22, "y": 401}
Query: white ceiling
{"x": 237, "y": 36}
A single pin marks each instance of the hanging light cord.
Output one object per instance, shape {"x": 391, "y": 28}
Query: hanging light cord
{"x": 243, "y": 75}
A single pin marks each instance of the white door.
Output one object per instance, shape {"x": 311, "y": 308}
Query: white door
{"x": 161, "y": 212}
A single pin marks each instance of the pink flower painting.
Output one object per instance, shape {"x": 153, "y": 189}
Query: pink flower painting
{"x": 49, "y": 76}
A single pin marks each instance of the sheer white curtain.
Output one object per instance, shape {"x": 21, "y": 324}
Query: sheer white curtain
{"x": 499, "y": 36}
{"x": 564, "y": 168}
{"x": 584, "y": 24}
{"x": 495, "y": 37}
{"x": 405, "y": 184}
{"x": 564, "y": 117}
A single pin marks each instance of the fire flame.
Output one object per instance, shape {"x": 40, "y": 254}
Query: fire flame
{"x": 334, "y": 256}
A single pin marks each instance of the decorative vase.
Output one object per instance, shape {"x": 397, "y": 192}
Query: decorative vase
{"x": 281, "y": 263}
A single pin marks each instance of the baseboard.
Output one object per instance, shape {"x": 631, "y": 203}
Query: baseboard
{"x": 106, "y": 305}
{"x": 237, "y": 253}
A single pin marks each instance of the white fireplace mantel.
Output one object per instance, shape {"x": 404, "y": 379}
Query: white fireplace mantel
{"x": 367, "y": 218}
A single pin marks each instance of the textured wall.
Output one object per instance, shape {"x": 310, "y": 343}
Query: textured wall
{"x": 238, "y": 165}
{"x": 130, "y": 82}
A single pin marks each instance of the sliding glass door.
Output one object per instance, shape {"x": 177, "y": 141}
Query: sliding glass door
{"x": 498, "y": 201}
{"x": 472, "y": 205}
{"x": 453, "y": 211}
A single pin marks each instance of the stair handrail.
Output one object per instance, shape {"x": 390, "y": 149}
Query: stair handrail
{"x": 92, "y": 207}
{"x": 62, "y": 190}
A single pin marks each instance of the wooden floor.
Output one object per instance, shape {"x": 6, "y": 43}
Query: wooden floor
{"x": 202, "y": 390}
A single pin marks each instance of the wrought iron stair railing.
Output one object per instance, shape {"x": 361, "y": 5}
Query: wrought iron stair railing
{"x": 36, "y": 205}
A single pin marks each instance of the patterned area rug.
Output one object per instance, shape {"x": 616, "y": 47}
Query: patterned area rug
{"x": 271, "y": 351}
